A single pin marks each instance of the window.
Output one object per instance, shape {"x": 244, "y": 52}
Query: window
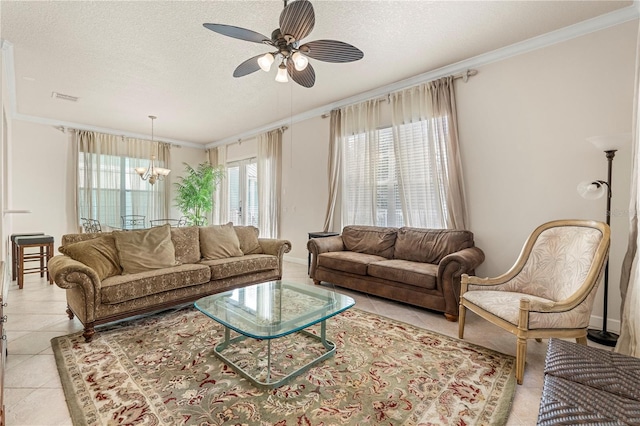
{"x": 114, "y": 189}
{"x": 384, "y": 184}
{"x": 242, "y": 177}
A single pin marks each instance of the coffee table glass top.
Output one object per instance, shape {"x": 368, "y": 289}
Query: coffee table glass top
{"x": 273, "y": 309}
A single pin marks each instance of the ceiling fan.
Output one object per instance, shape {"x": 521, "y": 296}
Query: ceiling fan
{"x": 297, "y": 19}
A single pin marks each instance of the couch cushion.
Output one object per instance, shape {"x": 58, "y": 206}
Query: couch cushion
{"x": 370, "y": 239}
{"x": 430, "y": 245}
{"x": 186, "y": 241}
{"x": 99, "y": 254}
{"x": 248, "y": 237}
{"x": 234, "y": 266}
{"x": 404, "y": 271}
{"x": 348, "y": 261}
{"x": 145, "y": 249}
{"x": 219, "y": 242}
{"x": 121, "y": 288}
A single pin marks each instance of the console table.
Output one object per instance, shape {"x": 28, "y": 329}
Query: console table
{"x": 320, "y": 234}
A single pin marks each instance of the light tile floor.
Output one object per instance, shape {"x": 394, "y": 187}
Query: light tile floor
{"x": 34, "y": 396}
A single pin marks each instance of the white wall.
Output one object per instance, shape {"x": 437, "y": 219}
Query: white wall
{"x": 42, "y": 178}
{"x": 179, "y": 156}
{"x": 523, "y": 123}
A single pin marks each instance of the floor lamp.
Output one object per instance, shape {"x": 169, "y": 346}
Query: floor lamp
{"x": 593, "y": 190}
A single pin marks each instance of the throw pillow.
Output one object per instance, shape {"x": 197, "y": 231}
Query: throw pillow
{"x": 219, "y": 242}
{"x": 248, "y": 237}
{"x": 186, "y": 241}
{"x": 99, "y": 254}
{"x": 430, "y": 245}
{"x": 370, "y": 239}
{"x": 145, "y": 249}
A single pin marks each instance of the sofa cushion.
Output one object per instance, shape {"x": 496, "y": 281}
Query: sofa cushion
{"x": 370, "y": 239}
{"x": 219, "y": 242}
{"x": 121, "y": 288}
{"x": 404, "y": 271}
{"x": 186, "y": 241}
{"x": 347, "y": 261}
{"x": 235, "y": 266}
{"x": 248, "y": 237}
{"x": 145, "y": 249}
{"x": 99, "y": 254}
{"x": 430, "y": 245}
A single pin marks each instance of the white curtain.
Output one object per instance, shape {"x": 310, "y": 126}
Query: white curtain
{"x": 218, "y": 157}
{"x": 428, "y": 165}
{"x": 108, "y": 185}
{"x": 359, "y": 148}
{"x": 629, "y": 340}
{"x": 269, "y": 183}
{"x": 333, "y": 168}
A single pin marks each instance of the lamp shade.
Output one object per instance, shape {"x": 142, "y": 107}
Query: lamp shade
{"x": 592, "y": 190}
{"x": 611, "y": 142}
{"x": 282, "y": 74}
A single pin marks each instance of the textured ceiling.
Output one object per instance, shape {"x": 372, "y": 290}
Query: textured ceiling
{"x": 127, "y": 60}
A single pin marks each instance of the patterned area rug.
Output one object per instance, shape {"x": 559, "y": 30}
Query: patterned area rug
{"x": 161, "y": 370}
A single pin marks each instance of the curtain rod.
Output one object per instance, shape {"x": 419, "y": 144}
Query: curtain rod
{"x": 281, "y": 128}
{"x": 463, "y": 75}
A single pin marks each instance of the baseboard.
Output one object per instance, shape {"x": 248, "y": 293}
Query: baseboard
{"x": 613, "y": 325}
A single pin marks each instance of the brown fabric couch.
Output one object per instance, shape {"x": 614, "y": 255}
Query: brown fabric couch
{"x": 104, "y": 292}
{"x": 418, "y": 266}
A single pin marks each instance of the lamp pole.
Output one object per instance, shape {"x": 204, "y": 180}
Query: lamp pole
{"x": 603, "y": 336}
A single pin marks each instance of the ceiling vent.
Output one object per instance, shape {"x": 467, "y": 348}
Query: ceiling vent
{"x": 64, "y": 97}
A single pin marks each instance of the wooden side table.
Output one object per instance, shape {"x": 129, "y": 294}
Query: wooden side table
{"x": 318, "y": 235}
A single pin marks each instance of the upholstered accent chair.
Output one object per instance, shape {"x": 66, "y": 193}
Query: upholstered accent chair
{"x": 549, "y": 292}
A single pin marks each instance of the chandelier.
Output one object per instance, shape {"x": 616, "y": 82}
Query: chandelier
{"x": 152, "y": 172}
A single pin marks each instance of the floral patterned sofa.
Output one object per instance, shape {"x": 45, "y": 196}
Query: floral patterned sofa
{"x": 115, "y": 275}
{"x": 418, "y": 266}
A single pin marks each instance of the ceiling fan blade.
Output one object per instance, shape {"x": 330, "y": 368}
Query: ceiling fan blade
{"x": 239, "y": 33}
{"x": 297, "y": 19}
{"x": 331, "y": 51}
{"x": 247, "y": 67}
{"x": 305, "y": 78}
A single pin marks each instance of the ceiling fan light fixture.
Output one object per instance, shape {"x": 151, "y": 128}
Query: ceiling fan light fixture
{"x": 300, "y": 61}
{"x": 265, "y": 62}
{"x": 281, "y": 77}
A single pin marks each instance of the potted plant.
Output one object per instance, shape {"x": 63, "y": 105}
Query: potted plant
{"x": 195, "y": 191}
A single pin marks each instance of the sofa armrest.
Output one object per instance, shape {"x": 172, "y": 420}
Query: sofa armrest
{"x": 274, "y": 246}
{"x": 71, "y": 274}
{"x": 450, "y": 270}
{"x": 317, "y": 246}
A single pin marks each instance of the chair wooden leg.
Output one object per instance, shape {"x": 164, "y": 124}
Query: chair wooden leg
{"x": 461, "y": 312}
{"x": 42, "y": 261}
{"x": 539, "y": 340}
{"x": 582, "y": 340}
{"x": 49, "y": 256}
{"x": 20, "y": 267}
{"x": 521, "y": 355}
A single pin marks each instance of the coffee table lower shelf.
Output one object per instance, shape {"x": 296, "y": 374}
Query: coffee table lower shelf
{"x": 328, "y": 345}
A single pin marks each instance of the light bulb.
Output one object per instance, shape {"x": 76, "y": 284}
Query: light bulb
{"x": 265, "y": 62}
{"x": 282, "y": 74}
{"x": 300, "y": 61}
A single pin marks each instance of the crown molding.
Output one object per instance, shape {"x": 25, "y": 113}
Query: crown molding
{"x": 610, "y": 19}
{"x": 9, "y": 70}
{"x": 614, "y": 18}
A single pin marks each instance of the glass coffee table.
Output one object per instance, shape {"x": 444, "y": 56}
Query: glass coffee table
{"x": 273, "y": 310}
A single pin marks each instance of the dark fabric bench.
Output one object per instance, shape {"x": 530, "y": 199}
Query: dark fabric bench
{"x": 586, "y": 385}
